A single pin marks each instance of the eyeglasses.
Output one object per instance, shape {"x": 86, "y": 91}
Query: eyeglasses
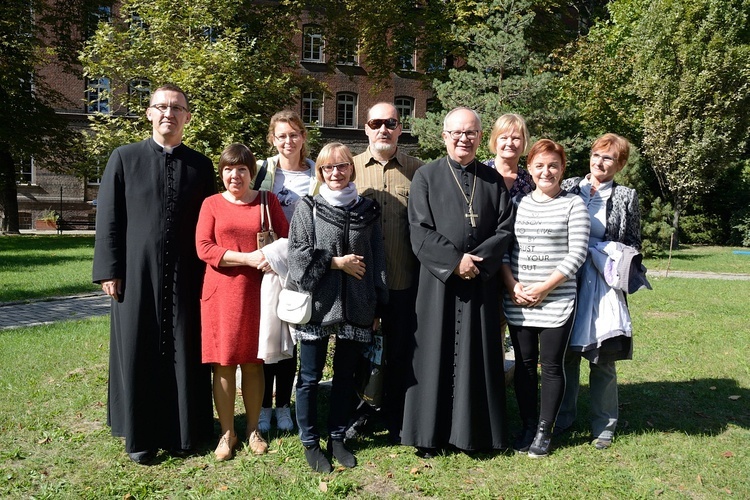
{"x": 176, "y": 108}
{"x": 376, "y": 123}
{"x": 606, "y": 159}
{"x": 456, "y": 134}
{"x": 284, "y": 137}
{"x": 341, "y": 167}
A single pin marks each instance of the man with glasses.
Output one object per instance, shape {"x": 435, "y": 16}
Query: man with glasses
{"x": 145, "y": 259}
{"x": 461, "y": 218}
{"x": 384, "y": 173}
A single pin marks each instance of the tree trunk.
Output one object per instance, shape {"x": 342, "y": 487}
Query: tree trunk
{"x": 8, "y": 192}
{"x": 675, "y": 243}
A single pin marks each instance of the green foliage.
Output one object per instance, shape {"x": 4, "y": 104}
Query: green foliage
{"x": 232, "y": 57}
{"x": 656, "y": 229}
{"x": 740, "y": 224}
{"x": 703, "y": 229}
{"x": 500, "y": 71}
{"x": 671, "y": 75}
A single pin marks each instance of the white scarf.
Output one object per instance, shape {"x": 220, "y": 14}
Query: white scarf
{"x": 341, "y": 198}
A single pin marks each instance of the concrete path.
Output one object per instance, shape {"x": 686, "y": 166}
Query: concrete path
{"x": 46, "y": 311}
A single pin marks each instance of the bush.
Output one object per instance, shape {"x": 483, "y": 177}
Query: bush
{"x": 740, "y": 224}
{"x": 702, "y": 229}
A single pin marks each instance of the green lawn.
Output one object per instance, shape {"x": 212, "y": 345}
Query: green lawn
{"x": 703, "y": 258}
{"x": 45, "y": 266}
{"x": 685, "y": 424}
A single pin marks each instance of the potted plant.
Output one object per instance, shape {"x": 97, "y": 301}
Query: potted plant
{"x": 47, "y": 220}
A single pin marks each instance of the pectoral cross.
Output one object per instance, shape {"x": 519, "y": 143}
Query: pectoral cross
{"x": 471, "y": 216}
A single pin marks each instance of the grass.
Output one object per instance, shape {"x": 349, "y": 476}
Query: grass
{"x": 687, "y": 434}
{"x": 702, "y": 258}
{"x": 33, "y": 267}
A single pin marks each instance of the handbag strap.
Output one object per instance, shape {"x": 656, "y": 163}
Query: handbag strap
{"x": 264, "y": 212}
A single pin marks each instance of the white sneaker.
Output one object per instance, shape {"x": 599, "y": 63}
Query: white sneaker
{"x": 284, "y": 419}
{"x": 264, "y": 420}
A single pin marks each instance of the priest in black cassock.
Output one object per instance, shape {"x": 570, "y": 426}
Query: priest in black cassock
{"x": 461, "y": 219}
{"x": 159, "y": 394}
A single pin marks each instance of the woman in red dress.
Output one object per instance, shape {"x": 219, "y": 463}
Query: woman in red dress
{"x": 230, "y": 301}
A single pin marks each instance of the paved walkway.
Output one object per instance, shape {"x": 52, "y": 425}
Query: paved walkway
{"x": 46, "y": 311}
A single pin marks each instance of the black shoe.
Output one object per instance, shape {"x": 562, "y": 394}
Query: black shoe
{"x": 142, "y": 457}
{"x": 182, "y": 452}
{"x": 541, "y": 445}
{"x": 561, "y": 431}
{"x": 525, "y": 437}
{"x": 357, "y": 426}
{"x": 426, "y": 452}
{"x": 341, "y": 454}
{"x": 317, "y": 460}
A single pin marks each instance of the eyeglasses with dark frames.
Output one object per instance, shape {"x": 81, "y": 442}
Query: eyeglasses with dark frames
{"x": 341, "y": 167}
{"x": 456, "y": 134}
{"x": 176, "y": 108}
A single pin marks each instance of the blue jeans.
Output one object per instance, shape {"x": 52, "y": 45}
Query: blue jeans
{"x": 312, "y": 357}
{"x": 603, "y": 391}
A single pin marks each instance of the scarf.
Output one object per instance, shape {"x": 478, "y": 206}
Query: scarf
{"x": 342, "y": 198}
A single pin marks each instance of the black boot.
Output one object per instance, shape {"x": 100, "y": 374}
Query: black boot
{"x": 526, "y": 436}
{"x": 541, "y": 445}
{"x": 317, "y": 460}
{"x": 341, "y": 454}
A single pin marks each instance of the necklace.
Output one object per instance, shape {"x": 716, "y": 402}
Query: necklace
{"x": 469, "y": 200}
{"x": 549, "y": 198}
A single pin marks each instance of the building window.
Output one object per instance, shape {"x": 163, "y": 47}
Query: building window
{"x": 347, "y": 52}
{"x": 312, "y": 108}
{"x": 407, "y": 59}
{"x": 26, "y": 171}
{"x": 346, "y": 110}
{"x": 97, "y": 95}
{"x": 96, "y": 177}
{"x": 312, "y": 44}
{"x": 102, "y": 14}
{"x": 139, "y": 91}
{"x": 405, "y": 108}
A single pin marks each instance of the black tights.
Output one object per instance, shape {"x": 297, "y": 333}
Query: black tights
{"x": 284, "y": 372}
{"x": 532, "y": 345}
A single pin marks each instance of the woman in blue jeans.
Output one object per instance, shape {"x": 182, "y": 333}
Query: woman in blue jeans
{"x": 336, "y": 253}
{"x": 601, "y": 338}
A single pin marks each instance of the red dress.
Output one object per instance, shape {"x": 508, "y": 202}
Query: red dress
{"x": 230, "y": 300}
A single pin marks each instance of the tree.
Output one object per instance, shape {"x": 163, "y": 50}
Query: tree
{"x": 677, "y": 75}
{"x": 232, "y": 57}
{"x": 28, "y": 121}
{"x": 500, "y": 71}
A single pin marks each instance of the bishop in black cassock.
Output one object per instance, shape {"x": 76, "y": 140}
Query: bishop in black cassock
{"x": 458, "y": 208}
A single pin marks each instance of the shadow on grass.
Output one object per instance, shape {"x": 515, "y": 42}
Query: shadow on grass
{"x": 694, "y": 407}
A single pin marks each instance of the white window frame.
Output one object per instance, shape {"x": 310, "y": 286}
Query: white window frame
{"x": 346, "y": 110}
{"x": 405, "y": 107}
{"x": 95, "y": 103}
{"x": 312, "y": 104}
{"x": 313, "y": 44}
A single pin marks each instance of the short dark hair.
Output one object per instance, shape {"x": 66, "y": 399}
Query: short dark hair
{"x": 170, "y": 87}
{"x": 238, "y": 154}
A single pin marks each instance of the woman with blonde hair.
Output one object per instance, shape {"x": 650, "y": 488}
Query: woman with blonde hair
{"x": 336, "y": 254}
{"x": 509, "y": 140}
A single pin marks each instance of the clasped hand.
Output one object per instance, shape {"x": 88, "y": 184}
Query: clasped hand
{"x": 466, "y": 268}
{"x": 353, "y": 265}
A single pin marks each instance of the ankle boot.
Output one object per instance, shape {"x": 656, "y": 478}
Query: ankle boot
{"x": 341, "y": 454}
{"x": 541, "y": 445}
{"x": 526, "y": 436}
{"x": 317, "y": 460}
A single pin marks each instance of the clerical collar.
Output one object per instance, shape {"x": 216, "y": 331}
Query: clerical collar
{"x": 455, "y": 164}
{"x": 167, "y": 149}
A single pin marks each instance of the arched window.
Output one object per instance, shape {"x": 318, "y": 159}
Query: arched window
{"x": 312, "y": 108}
{"x": 97, "y": 95}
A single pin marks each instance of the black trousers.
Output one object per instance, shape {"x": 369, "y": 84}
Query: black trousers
{"x": 531, "y": 346}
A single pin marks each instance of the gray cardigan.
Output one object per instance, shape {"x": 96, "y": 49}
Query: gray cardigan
{"x": 338, "y": 231}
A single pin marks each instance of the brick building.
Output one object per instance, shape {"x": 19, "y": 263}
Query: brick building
{"x": 340, "y": 116}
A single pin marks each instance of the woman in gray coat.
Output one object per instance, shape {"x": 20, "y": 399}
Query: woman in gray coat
{"x": 336, "y": 253}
